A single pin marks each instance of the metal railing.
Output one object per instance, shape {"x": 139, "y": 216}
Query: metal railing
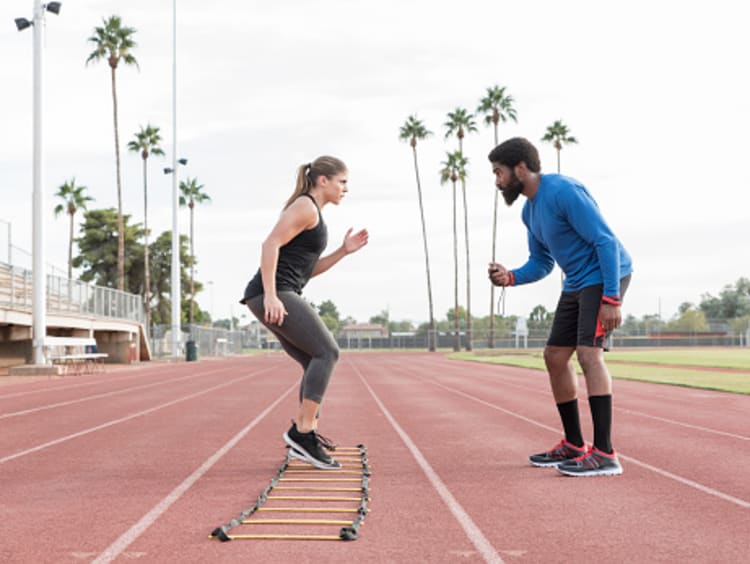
{"x": 68, "y": 296}
{"x": 209, "y": 341}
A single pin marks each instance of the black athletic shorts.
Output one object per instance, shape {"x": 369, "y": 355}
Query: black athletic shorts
{"x": 577, "y": 318}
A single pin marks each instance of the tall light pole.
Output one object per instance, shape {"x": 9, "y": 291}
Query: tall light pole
{"x": 39, "y": 303}
{"x": 176, "y": 290}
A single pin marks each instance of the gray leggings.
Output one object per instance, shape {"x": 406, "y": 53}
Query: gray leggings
{"x": 305, "y": 338}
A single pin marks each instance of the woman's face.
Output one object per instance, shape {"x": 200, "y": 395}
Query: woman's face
{"x": 335, "y": 188}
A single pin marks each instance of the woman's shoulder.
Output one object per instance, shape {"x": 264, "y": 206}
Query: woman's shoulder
{"x": 303, "y": 210}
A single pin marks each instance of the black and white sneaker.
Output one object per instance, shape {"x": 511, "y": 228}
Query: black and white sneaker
{"x": 561, "y": 452}
{"x": 308, "y": 447}
{"x": 594, "y": 463}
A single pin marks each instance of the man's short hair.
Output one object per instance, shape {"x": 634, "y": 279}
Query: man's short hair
{"x": 514, "y": 151}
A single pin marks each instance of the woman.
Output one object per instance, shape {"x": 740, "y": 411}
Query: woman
{"x": 290, "y": 257}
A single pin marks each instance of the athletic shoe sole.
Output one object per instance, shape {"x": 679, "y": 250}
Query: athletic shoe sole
{"x": 548, "y": 464}
{"x": 301, "y": 454}
{"x": 589, "y": 473}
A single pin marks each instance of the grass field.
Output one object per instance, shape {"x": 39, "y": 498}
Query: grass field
{"x": 707, "y": 368}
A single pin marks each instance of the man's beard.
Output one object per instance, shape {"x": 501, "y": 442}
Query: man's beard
{"x": 511, "y": 193}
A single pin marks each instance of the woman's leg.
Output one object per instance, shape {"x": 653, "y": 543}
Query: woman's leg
{"x": 304, "y": 336}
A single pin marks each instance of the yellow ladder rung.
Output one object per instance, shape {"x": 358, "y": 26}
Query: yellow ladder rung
{"x": 296, "y": 522}
{"x": 285, "y": 537}
{"x": 312, "y": 468}
{"x": 334, "y": 472}
{"x": 319, "y": 480}
{"x": 308, "y": 489}
{"x": 313, "y": 498}
{"x": 310, "y": 509}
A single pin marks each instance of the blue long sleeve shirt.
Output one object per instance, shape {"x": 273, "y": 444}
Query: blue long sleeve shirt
{"x": 565, "y": 226}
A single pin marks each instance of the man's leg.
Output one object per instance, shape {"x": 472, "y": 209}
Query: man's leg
{"x": 564, "y": 384}
{"x": 601, "y": 460}
{"x": 599, "y": 387}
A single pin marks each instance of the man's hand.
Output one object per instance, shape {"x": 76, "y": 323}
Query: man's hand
{"x": 499, "y": 275}
{"x": 610, "y": 317}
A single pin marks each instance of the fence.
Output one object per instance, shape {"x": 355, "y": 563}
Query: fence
{"x": 66, "y": 296}
{"x": 210, "y": 341}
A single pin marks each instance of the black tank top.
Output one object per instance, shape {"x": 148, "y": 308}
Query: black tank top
{"x": 297, "y": 260}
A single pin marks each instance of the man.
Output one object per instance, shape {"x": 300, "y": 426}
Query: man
{"x": 565, "y": 226}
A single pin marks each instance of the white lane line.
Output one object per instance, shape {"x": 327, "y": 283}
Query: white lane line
{"x": 700, "y": 487}
{"x": 681, "y": 424}
{"x": 107, "y": 394}
{"x": 129, "y": 536}
{"x": 473, "y": 532}
{"x": 64, "y": 386}
{"x": 490, "y": 378}
{"x": 705, "y": 489}
{"x": 124, "y": 419}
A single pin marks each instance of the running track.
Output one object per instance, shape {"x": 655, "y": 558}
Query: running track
{"x": 141, "y": 464}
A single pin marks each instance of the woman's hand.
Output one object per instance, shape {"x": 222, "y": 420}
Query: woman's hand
{"x": 274, "y": 310}
{"x": 353, "y": 243}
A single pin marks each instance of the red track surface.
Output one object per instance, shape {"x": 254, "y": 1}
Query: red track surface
{"x": 142, "y": 464}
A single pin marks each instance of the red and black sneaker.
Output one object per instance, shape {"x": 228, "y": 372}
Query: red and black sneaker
{"x": 561, "y": 452}
{"x": 594, "y": 463}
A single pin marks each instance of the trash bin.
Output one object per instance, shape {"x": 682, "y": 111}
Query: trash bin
{"x": 191, "y": 351}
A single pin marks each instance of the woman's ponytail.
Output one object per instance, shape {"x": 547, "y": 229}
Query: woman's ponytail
{"x": 303, "y": 183}
{"x": 308, "y": 174}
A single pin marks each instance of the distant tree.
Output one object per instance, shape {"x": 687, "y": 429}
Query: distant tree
{"x": 733, "y": 301}
{"x": 453, "y": 168}
{"x": 97, "y": 246}
{"x": 685, "y": 306}
{"x": 330, "y": 316}
{"x": 74, "y": 199}
{"x": 146, "y": 143}
{"x": 460, "y": 122}
{"x": 383, "y": 318}
{"x": 114, "y": 43}
{"x": 539, "y": 313}
{"x": 161, "y": 278}
{"x": 414, "y": 130}
{"x": 559, "y": 135}
{"x": 348, "y": 320}
{"x": 496, "y": 106}
{"x": 403, "y": 326}
{"x": 689, "y": 321}
{"x": 192, "y": 193}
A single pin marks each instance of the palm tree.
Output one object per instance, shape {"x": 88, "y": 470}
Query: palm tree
{"x": 114, "y": 43}
{"x": 412, "y": 131}
{"x": 558, "y": 134}
{"x": 146, "y": 143}
{"x": 190, "y": 194}
{"x": 496, "y": 106}
{"x": 460, "y": 122}
{"x": 74, "y": 199}
{"x": 453, "y": 170}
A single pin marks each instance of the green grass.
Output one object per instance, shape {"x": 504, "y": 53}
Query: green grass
{"x": 629, "y": 365}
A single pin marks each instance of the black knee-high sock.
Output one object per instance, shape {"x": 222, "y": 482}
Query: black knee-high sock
{"x": 571, "y": 422}
{"x": 601, "y": 413}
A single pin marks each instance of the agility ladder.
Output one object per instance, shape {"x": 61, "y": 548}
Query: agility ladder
{"x": 299, "y": 476}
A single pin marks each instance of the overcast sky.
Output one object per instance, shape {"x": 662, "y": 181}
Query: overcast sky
{"x": 656, "y": 93}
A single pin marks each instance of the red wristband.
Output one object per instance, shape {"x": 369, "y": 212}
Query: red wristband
{"x": 511, "y": 279}
{"x": 612, "y": 300}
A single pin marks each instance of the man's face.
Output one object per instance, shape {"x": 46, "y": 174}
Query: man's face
{"x": 507, "y": 182}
